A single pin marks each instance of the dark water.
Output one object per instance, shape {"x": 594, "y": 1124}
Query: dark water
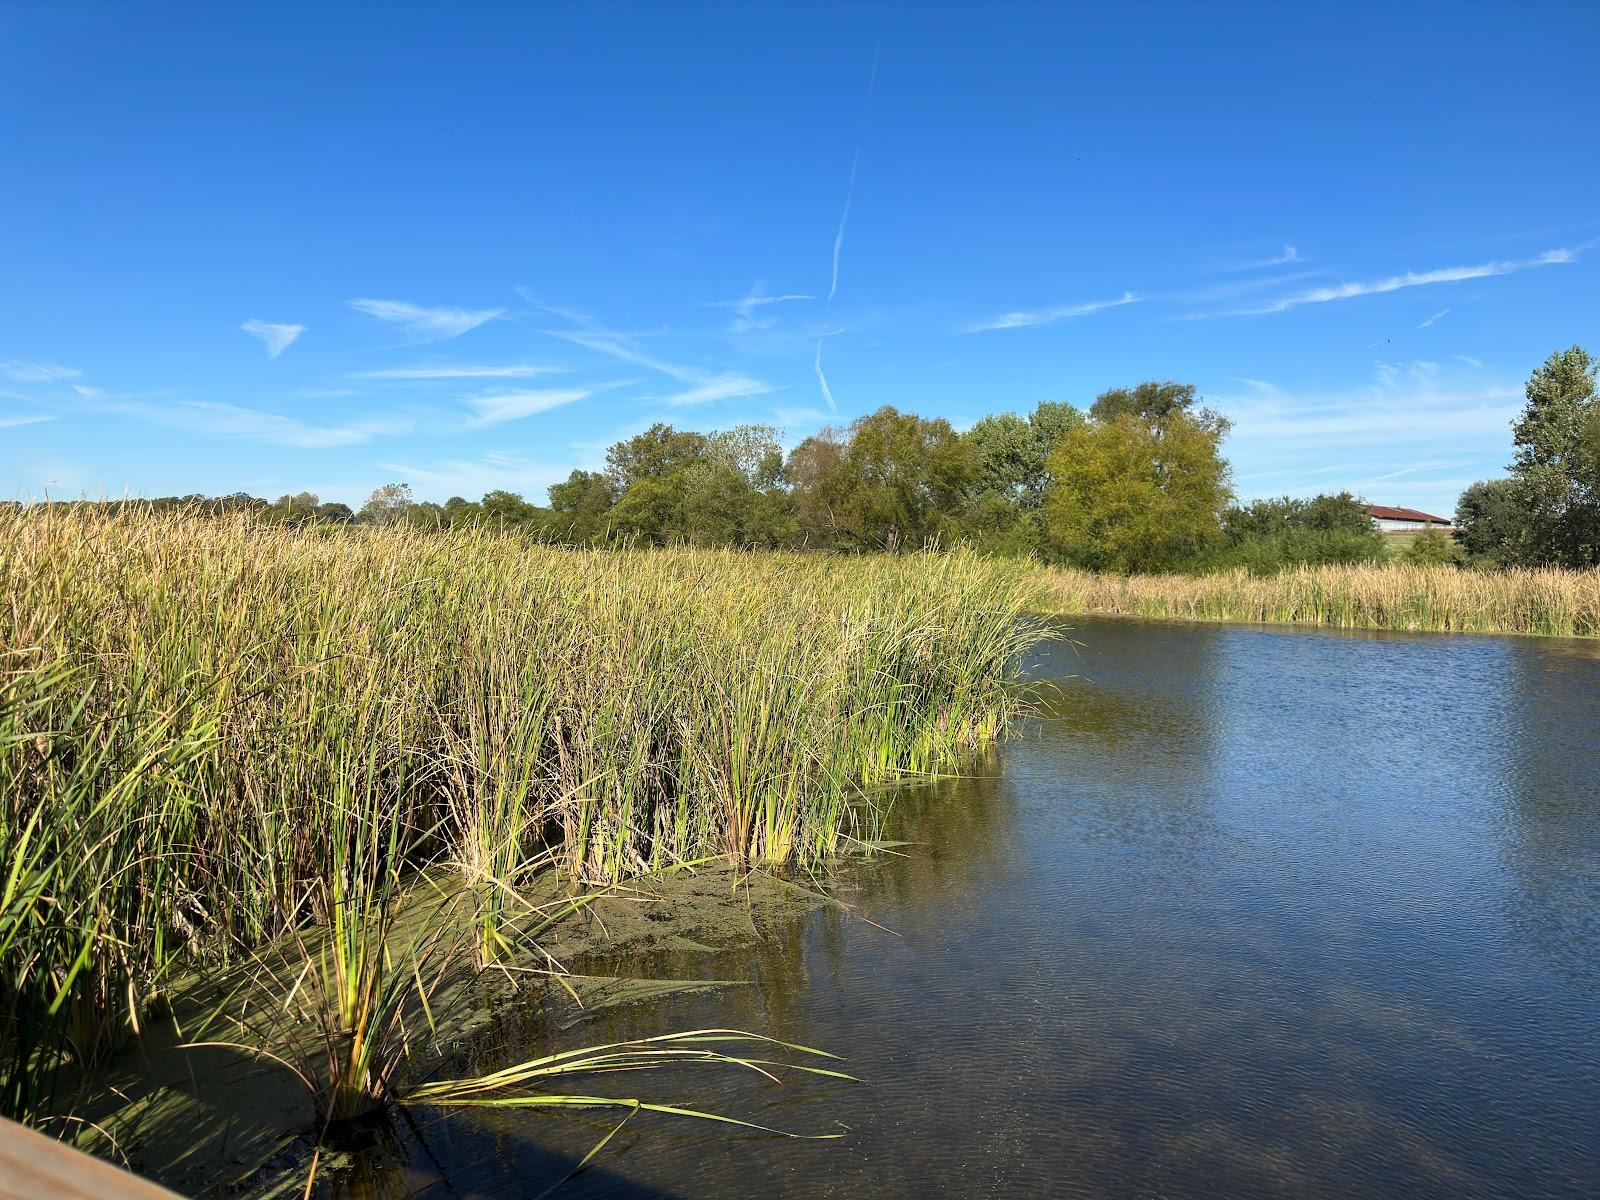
{"x": 1249, "y": 913}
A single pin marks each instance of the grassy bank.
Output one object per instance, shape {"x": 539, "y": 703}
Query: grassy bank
{"x": 1443, "y": 599}
{"x": 215, "y": 736}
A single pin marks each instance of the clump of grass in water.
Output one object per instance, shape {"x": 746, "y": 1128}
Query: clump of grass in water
{"x": 209, "y": 726}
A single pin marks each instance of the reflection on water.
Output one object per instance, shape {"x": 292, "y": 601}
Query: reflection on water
{"x": 1245, "y": 913}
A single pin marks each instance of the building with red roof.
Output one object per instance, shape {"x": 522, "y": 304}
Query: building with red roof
{"x": 1404, "y": 520}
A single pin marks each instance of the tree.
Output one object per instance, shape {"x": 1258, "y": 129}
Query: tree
{"x": 1151, "y": 403}
{"x": 507, "y": 509}
{"x": 752, "y": 450}
{"x": 579, "y": 505}
{"x": 895, "y": 479}
{"x": 387, "y": 505}
{"x": 666, "y": 486}
{"x": 1006, "y": 458}
{"x": 297, "y": 509}
{"x": 1492, "y": 523}
{"x": 656, "y": 451}
{"x": 1011, "y": 475}
{"x": 1142, "y": 484}
{"x": 1556, "y": 467}
{"x": 335, "y": 513}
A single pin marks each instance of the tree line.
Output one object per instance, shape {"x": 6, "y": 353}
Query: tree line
{"x": 1134, "y": 482}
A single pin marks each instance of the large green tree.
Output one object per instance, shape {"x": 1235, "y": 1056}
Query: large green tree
{"x": 1011, "y": 474}
{"x": 894, "y": 480}
{"x": 1556, "y": 467}
{"x": 1142, "y": 484}
{"x": 706, "y": 489}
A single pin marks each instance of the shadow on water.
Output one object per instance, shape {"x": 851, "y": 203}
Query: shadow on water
{"x": 1244, "y": 912}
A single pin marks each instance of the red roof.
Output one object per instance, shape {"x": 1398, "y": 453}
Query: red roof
{"x": 1384, "y": 512}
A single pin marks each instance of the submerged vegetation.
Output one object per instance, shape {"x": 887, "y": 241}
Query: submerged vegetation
{"x": 229, "y": 743}
{"x": 1439, "y": 598}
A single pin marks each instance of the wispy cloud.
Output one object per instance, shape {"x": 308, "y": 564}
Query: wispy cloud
{"x": 447, "y": 371}
{"x": 1403, "y": 401}
{"x": 746, "y": 316}
{"x": 624, "y": 349}
{"x": 822, "y": 380}
{"x": 24, "y": 371}
{"x": 727, "y": 386}
{"x": 276, "y": 338}
{"x": 1287, "y": 255}
{"x": 1049, "y": 316}
{"x": 1409, "y": 279}
{"x": 701, "y": 386}
{"x": 421, "y": 324}
{"x": 29, "y": 419}
{"x": 1443, "y": 312}
{"x": 230, "y": 420}
{"x": 495, "y": 408}
{"x": 1474, "y": 363}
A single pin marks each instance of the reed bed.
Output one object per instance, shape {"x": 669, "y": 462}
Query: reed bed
{"x": 214, "y": 735}
{"x": 1553, "y": 602}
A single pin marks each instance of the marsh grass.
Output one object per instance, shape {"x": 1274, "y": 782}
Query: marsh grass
{"x": 218, "y": 738}
{"x": 1552, "y": 602}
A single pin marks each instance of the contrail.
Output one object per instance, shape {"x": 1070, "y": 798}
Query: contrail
{"x": 855, "y": 163}
{"x": 844, "y": 217}
{"x": 827, "y": 392}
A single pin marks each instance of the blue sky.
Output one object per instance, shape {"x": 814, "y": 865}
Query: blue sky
{"x": 282, "y": 246}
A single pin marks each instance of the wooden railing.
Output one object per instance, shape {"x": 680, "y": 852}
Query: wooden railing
{"x": 35, "y": 1167}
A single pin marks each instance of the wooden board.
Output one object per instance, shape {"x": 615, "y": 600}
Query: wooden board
{"x": 35, "y": 1167}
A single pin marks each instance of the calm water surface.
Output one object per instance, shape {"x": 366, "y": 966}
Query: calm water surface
{"x": 1247, "y": 913}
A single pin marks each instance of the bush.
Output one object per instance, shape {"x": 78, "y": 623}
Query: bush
{"x": 1431, "y": 547}
{"x": 1267, "y": 554}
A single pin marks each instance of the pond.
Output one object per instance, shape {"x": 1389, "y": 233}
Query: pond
{"x": 1244, "y": 912}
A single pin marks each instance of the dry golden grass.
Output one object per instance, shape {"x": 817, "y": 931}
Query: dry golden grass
{"x": 1391, "y": 596}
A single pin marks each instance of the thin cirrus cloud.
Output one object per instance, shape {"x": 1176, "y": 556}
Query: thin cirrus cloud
{"x": 230, "y": 420}
{"x": 496, "y": 408}
{"x": 730, "y": 385}
{"x": 22, "y": 370}
{"x": 746, "y": 314}
{"x": 29, "y": 419}
{"x": 1442, "y": 313}
{"x": 700, "y": 386}
{"x": 1049, "y": 316}
{"x": 1283, "y": 258}
{"x": 421, "y": 324}
{"x": 1402, "y": 401}
{"x": 1409, "y": 279}
{"x": 446, "y": 371}
{"x": 276, "y": 338}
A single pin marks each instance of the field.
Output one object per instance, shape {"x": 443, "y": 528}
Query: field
{"x": 1391, "y": 596}
{"x": 222, "y": 743}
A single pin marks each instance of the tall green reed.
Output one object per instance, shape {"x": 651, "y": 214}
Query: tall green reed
{"x": 216, "y": 736}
